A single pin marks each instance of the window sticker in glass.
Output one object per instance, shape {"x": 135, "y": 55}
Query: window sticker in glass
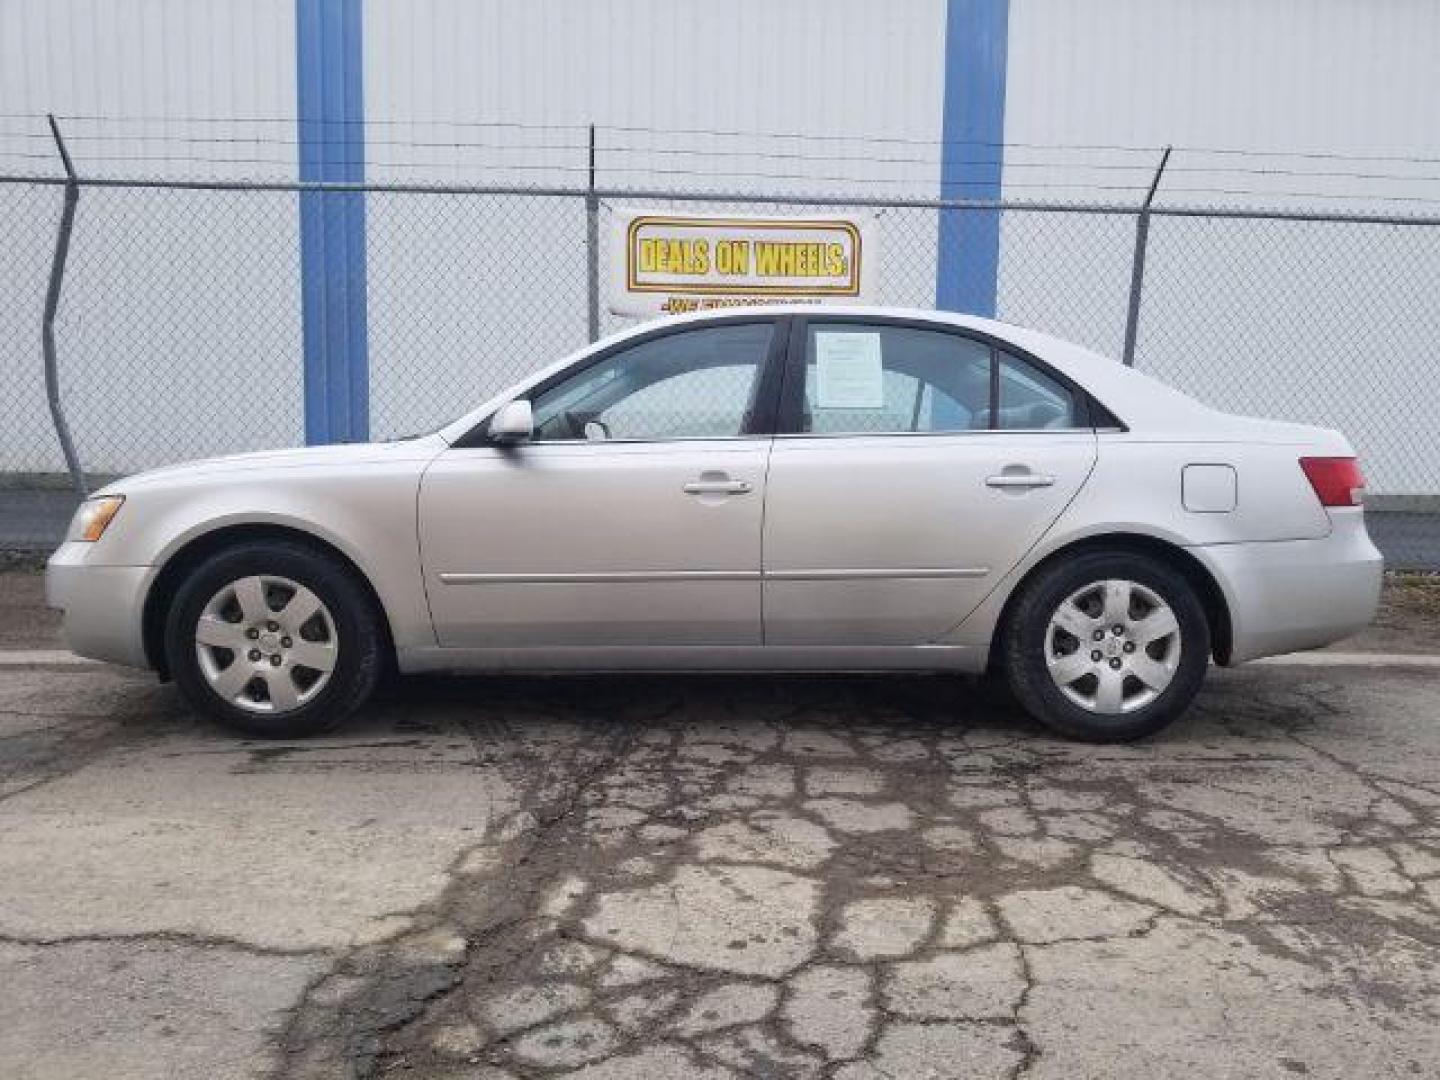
{"x": 848, "y": 372}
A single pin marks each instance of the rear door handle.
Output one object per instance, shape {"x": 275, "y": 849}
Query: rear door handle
{"x": 717, "y": 487}
{"x": 1019, "y": 480}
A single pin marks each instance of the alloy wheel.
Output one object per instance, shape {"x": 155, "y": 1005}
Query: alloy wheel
{"x": 1113, "y": 646}
{"x": 266, "y": 644}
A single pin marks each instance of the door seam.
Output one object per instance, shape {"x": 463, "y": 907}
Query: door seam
{"x": 764, "y": 511}
{"x": 1049, "y": 528}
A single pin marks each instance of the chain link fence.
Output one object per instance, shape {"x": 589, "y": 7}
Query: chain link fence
{"x": 179, "y": 328}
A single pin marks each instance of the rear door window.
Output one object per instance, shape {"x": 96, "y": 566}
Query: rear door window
{"x": 880, "y": 378}
{"x": 1030, "y": 400}
{"x": 862, "y": 379}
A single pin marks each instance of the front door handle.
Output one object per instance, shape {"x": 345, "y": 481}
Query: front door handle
{"x": 1019, "y": 480}
{"x": 717, "y": 487}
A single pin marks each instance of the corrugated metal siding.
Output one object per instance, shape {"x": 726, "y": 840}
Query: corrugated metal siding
{"x": 503, "y": 92}
{"x": 1332, "y": 75}
{"x": 179, "y": 332}
{"x": 134, "y": 78}
{"x": 1091, "y": 83}
{"x": 194, "y": 299}
{"x": 1282, "y": 319}
{"x": 813, "y": 67}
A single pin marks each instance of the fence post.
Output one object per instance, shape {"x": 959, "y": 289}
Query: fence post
{"x": 52, "y": 305}
{"x": 1137, "y": 263}
{"x": 592, "y": 248}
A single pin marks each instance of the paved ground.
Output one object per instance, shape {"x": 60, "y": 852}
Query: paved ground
{"x": 703, "y": 877}
{"x": 34, "y": 520}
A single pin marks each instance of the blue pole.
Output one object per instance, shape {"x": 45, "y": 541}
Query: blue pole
{"x": 972, "y": 154}
{"x": 331, "y": 132}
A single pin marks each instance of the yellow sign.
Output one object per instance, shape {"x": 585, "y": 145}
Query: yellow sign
{"x": 677, "y": 263}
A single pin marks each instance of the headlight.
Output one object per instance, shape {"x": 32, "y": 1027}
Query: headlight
{"x": 94, "y": 517}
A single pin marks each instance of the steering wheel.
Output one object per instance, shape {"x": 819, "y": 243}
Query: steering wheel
{"x": 577, "y": 425}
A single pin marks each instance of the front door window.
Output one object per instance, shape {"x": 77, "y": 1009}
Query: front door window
{"x": 695, "y": 384}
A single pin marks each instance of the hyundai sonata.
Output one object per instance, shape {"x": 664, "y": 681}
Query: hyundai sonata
{"x": 788, "y": 488}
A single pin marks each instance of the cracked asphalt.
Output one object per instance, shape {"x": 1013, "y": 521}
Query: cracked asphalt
{"x": 853, "y": 878}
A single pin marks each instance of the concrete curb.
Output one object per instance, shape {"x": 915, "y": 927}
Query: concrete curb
{"x": 1352, "y": 659}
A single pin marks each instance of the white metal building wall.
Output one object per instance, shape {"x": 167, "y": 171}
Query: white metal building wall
{"x": 148, "y": 58}
{"x": 168, "y": 288}
{"x": 1294, "y": 312}
{"x": 505, "y": 91}
{"x": 810, "y": 66}
{"x": 1354, "y": 76}
{"x": 161, "y": 288}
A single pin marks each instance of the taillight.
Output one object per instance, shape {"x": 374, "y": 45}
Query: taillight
{"x": 1337, "y": 480}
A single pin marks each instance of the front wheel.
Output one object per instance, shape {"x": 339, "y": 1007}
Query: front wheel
{"x": 1106, "y": 647}
{"x": 274, "y": 639}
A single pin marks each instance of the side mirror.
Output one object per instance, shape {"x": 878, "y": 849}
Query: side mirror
{"x": 513, "y": 422}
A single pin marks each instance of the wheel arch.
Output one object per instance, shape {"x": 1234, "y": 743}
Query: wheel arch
{"x": 199, "y": 548}
{"x": 1207, "y": 588}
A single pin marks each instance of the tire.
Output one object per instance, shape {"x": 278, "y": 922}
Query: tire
{"x": 330, "y": 660}
{"x": 1058, "y": 607}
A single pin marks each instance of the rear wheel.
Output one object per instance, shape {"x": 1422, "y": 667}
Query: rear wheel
{"x": 274, "y": 639}
{"x": 1106, "y": 647}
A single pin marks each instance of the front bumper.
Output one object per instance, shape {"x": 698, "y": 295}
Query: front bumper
{"x": 1289, "y": 595}
{"x": 101, "y": 606}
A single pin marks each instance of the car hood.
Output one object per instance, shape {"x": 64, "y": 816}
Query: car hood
{"x": 344, "y": 455}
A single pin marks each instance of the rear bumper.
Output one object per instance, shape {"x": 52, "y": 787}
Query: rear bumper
{"x": 1286, "y": 596}
{"x": 101, "y": 606}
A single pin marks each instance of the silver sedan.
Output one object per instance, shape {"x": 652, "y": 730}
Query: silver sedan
{"x": 789, "y": 488}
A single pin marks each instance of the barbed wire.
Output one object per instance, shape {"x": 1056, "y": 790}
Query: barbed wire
{"x": 1023, "y": 166}
{"x": 611, "y": 148}
{"x": 865, "y": 137}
